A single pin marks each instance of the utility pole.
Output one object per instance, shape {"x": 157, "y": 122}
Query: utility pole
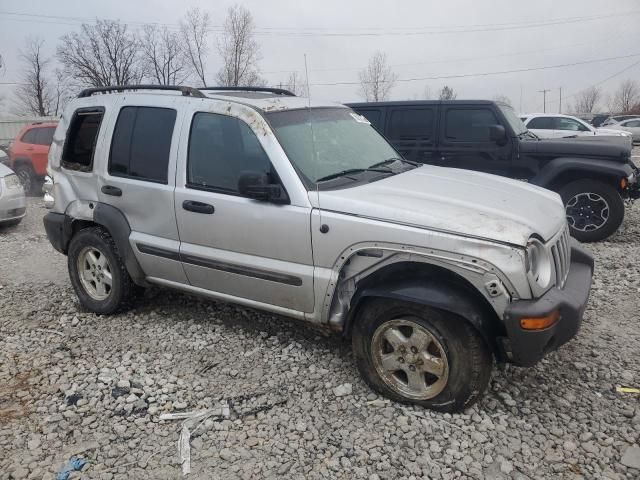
{"x": 560, "y": 109}
{"x": 544, "y": 93}
{"x": 520, "y": 98}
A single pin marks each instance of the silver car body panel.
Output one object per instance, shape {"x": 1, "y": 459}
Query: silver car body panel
{"x": 12, "y": 197}
{"x": 275, "y": 257}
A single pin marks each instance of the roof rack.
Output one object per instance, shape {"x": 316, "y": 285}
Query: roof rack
{"x": 186, "y": 91}
{"x": 277, "y": 91}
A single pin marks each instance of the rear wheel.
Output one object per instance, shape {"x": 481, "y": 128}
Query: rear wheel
{"x": 415, "y": 354}
{"x": 595, "y": 210}
{"x": 27, "y": 178}
{"x": 97, "y": 272}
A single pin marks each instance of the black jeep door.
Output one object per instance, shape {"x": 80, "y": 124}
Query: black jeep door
{"x": 464, "y": 140}
{"x": 412, "y": 130}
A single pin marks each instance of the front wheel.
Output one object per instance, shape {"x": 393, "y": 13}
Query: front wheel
{"x": 415, "y": 354}
{"x": 594, "y": 209}
{"x": 97, "y": 272}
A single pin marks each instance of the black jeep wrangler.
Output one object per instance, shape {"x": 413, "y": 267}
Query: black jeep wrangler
{"x": 593, "y": 175}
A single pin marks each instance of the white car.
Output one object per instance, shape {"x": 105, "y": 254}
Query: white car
{"x": 556, "y": 125}
{"x": 12, "y": 201}
{"x": 630, "y": 126}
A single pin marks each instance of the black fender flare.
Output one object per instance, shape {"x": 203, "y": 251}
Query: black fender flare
{"x": 118, "y": 227}
{"x": 434, "y": 293}
{"x": 556, "y": 167}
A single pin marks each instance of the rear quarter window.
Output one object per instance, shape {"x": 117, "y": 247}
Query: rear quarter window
{"x": 82, "y": 137}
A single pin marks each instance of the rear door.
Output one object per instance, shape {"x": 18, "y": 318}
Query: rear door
{"x": 140, "y": 181}
{"x": 412, "y": 130}
{"x": 465, "y": 142}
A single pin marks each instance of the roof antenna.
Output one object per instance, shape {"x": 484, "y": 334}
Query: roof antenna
{"x": 323, "y": 228}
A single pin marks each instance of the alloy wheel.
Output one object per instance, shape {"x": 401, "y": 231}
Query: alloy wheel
{"x": 95, "y": 274}
{"x": 409, "y": 359}
{"x": 587, "y": 212}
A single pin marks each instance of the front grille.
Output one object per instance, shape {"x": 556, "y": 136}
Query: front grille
{"x": 561, "y": 253}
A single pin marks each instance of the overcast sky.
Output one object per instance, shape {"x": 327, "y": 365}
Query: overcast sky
{"x": 422, "y": 39}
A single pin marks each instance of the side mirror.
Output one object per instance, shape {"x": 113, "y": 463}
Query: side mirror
{"x": 497, "y": 134}
{"x": 258, "y": 186}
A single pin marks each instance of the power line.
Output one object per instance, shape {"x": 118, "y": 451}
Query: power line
{"x": 618, "y": 73}
{"x": 373, "y": 31}
{"x": 486, "y": 74}
{"x": 451, "y": 60}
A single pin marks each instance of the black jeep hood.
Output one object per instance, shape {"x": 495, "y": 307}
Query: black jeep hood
{"x": 617, "y": 149}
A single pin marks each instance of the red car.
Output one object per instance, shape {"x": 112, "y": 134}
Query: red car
{"x": 28, "y": 154}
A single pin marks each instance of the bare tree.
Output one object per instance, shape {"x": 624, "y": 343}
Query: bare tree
{"x": 239, "y": 50}
{"x": 377, "y": 79}
{"x": 163, "y": 56}
{"x": 587, "y": 100}
{"x": 297, "y": 85}
{"x": 626, "y": 97}
{"x": 36, "y": 94}
{"x": 102, "y": 54}
{"x": 447, "y": 93}
{"x": 195, "y": 33}
{"x": 502, "y": 99}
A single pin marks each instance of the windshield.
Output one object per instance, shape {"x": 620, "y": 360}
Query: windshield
{"x": 513, "y": 119}
{"x": 343, "y": 141}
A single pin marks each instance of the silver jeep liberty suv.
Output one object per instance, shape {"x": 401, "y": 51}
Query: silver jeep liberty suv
{"x": 261, "y": 198}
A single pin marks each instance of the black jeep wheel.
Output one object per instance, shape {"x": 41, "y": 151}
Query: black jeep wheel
{"x": 415, "y": 354}
{"x": 97, "y": 272}
{"x": 594, "y": 209}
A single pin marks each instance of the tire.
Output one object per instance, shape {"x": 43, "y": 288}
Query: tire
{"x": 595, "y": 210}
{"x": 463, "y": 361}
{"x": 27, "y": 177}
{"x": 93, "y": 290}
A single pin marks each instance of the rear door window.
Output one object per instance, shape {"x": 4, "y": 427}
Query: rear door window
{"x": 141, "y": 143}
{"x": 469, "y": 124}
{"x": 45, "y": 136}
{"x": 82, "y": 136}
{"x": 30, "y": 137}
{"x": 412, "y": 124}
{"x": 541, "y": 123}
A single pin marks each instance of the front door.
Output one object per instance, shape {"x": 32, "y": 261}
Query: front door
{"x": 234, "y": 246}
{"x": 465, "y": 141}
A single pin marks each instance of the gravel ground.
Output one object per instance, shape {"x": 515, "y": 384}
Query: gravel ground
{"x": 75, "y": 384}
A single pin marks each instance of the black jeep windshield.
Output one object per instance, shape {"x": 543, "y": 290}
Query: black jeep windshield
{"x": 513, "y": 119}
{"x": 331, "y": 144}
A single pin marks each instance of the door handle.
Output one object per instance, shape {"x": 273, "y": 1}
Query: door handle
{"x": 111, "y": 190}
{"x": 198, "y": 207}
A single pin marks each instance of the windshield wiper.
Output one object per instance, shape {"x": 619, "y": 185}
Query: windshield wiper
{"x": 394, "y": 159}
{"x": 344, "y": 173}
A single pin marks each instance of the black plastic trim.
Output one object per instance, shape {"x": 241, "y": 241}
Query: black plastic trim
{"x": 221, "y": 266}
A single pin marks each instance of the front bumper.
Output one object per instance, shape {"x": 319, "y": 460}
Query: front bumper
{"x": 527, "y": 347}
{"x": 57, "y": 227}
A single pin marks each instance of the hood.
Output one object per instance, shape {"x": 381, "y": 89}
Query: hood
{"x": 611, "y": 132}
{"x": 454, "y": 200}
{"x": 616, "y": 149}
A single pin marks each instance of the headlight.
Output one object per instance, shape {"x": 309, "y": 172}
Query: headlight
{"x": 538, "y": 263}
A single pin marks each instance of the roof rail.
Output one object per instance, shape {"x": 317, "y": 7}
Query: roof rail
{"x": 277, "y": 91}
{"x": 186, "y": 91}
